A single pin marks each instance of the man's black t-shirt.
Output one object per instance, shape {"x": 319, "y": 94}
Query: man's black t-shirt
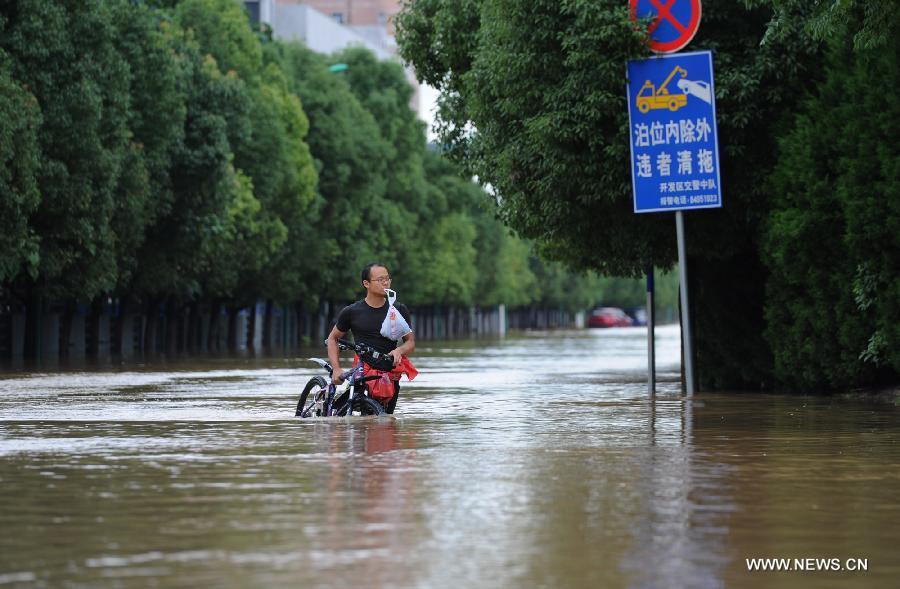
{"x": 365, "y": 323}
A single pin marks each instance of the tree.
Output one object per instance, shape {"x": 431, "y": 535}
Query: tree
{"x": 221, "y": 28}
{"x": 291, "y": 181}
{"x": 875, "y": 21}
{"x": 445, "y": 272}
{"x": 67, "y": 57}
{"x": 533, "y": 104}
{"x": 382, "y": 89}
{"x": 833, "y": 239}
{"x": 349, "y": 154}
{"x": 504, "y": 275}
{"x": 190, "y": 237}
{"x": 271, "y": 153}
{"x": 156, "y": 120}
{"x": 19, "y": 162}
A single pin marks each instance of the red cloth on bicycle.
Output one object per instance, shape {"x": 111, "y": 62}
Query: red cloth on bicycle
{"x": 382, "y": 389}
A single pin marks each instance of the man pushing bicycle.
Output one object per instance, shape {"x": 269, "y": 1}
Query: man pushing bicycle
{"x": 373, "y": 321}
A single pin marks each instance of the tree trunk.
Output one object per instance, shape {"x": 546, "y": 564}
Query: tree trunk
{"x": 212, "y": 336}
{"x": 251, "y": 328}
{"x": 267, "y": 327}
{"x": 173, "y": 323}
{"x": 65, "y": 334}
{"x": 33, "y": 314}
{"x": 232, "y": 328}
{"x": 150, "y": 329}
{"x": 324, "y": 326}
{"x": 195, "y": 327}
{"x": 93, "y": 350}
{"x": 302, "y": 322}
{"x": 65, "y": 330}
{"x": 119, "y": 332}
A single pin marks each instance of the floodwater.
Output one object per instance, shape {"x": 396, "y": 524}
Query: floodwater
{"x": 534, "y": 461}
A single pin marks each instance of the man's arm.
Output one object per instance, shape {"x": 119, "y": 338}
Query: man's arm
{"x": 404, "y": 349}
{"x": 334, "y": 354}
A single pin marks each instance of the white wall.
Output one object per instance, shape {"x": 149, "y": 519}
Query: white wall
{"x": 321, "y": 33}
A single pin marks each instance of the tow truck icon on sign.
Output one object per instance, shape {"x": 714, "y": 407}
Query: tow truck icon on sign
{"x": 651, "y": 98}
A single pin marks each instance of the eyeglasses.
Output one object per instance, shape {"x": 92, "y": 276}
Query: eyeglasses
{"x": 382, "y": 279}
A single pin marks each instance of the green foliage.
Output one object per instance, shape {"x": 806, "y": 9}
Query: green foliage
{"x": 441, "y": 38}
{"x": 165, "y": 150}
{"x": 622, "y": 292}
{"x": 442, "y": 236}
{"x": 286, "y": 180}
{"x": 272, "y": 181}
{"x": 542, "y": 85}
{"x": 559, "y": 288}
{"x": 533, "y": 104}
{"x": 504, "y": 275}
{"x": 833, "y": 241}
{"x": 403, "y": 209}
{"x": 19, "y": 163}
{"x": 66, "y": 55}
{"x": 248, "y": 241}
{"x": 445, "y": 272}
{"x": 156, "y": 122}
{"x": 221, "y": 29}
{"x": 189, "y": 236}
{"x": 876, "y": 20}
{"x": 350, "y": 156}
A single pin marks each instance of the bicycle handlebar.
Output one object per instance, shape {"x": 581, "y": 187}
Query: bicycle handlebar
{"x": 348, "y": 345}
{"x": 362, "y": 349}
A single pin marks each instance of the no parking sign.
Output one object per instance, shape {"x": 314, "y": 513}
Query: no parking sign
{"x": 674, "y": 151}
{"x": 674, "y": 22}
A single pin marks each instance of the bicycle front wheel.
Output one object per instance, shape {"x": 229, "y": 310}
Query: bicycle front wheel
{"x": 362, "y": 406}
{"x": 312, "y": 399}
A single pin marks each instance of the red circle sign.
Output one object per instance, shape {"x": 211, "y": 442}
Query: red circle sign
{"x": 675, "y": 22}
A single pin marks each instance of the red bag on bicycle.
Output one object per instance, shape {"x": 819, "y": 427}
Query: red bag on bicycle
{"x": 382, "y": 389}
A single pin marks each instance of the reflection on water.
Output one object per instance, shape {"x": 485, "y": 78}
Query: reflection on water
{"x": 536, "y": 461}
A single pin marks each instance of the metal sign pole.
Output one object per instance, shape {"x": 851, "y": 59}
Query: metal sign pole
{"x": 651, "y": 334}
{"x": 673, "y": 141}
{"x": 685, "y": 313}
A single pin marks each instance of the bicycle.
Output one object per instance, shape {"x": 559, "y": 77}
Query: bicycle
{"x": 322, "y": 398}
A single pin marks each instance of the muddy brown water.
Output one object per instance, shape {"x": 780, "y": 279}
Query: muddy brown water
{"x": 533, "y": 461}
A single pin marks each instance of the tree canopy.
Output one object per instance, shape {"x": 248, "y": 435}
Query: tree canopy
{"x": 19, "y": 163}
{"x": 833, "y": 237}
{"x": 167, "y": 151}
{"x": 533, "y": 104}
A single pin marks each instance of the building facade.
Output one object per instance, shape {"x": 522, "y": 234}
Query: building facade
{"x": 327, "y": 26}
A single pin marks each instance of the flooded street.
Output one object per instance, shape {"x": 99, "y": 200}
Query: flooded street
{"x": 534, "y": 461}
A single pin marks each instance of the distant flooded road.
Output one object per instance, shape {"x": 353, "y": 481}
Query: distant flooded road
{"x": 533, "y": 461}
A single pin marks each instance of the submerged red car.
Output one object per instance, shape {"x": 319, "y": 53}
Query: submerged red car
{"x": 609, "y": 317}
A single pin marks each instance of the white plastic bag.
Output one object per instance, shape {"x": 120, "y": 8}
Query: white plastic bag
{"x": 394, "y": 326}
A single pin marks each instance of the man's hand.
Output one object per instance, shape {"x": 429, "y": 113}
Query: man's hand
{"x": 404, "y": 349}
{"x": 397, "y": 356}
{"x": 334, "y": 355}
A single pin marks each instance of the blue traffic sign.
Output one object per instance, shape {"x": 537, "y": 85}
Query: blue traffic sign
{"x": 672, "y": 117}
